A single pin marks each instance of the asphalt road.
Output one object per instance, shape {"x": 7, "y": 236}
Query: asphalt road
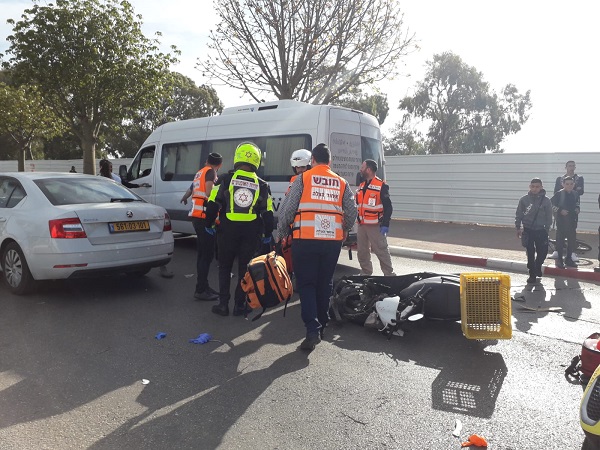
{"x": 73, "y": 356}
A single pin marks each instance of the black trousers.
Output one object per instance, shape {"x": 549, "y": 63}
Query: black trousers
{"x": 566, "y": 228}
{"x": 537, "y": 250}
{"x": 205, "y": 248}
{"x": 235, "y": 240}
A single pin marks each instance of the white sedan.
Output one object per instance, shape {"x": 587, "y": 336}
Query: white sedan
{"x": 56, "y": 226}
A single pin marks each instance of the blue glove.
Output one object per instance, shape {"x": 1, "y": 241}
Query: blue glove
{"x": 210, "y": 231}
{"x": 202, "y": 339}
{"x": 161, "y": 335}
{"x": 384, "y": 230}
{"x": 266, "y": 240}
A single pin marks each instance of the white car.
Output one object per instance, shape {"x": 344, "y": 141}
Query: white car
{"x": 63, "y": 225}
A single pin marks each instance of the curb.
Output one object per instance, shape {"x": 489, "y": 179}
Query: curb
{"x": 492, "y": 263}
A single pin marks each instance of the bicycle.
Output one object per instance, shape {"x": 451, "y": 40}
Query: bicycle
{"x": 581, "y": 248}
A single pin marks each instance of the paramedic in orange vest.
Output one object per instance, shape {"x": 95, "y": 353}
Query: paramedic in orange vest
{"x": 321, "y": 208}
{"x": 245, "y": 208}
{"x": 205, "y": 243}
{"x": 374, "y": 214}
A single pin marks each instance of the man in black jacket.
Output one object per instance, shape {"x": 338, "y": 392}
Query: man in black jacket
{"x": 534, "y": 212}
{"x": 565, "y": 204}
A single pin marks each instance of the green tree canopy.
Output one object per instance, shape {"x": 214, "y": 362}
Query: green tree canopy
{"x": 463, "y": 114}
{"x": 93, "y": 65}
{"x": 26, "y": 118}
{"x": 313, "y": 51}
{"x": 376, "y": 104}
{"x": 183, "y": 100}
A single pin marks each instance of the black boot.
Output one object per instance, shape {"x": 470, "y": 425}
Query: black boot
{"x": 222, "y": 309}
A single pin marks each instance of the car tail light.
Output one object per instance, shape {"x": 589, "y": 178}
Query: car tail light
{"x": 167, "y": 226}
{"x": 66, "y": 229}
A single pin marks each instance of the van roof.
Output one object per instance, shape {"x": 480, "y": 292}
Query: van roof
{"x": 265, "y": 106}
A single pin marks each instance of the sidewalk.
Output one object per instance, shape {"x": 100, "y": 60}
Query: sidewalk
{"x": 494, "y": 247}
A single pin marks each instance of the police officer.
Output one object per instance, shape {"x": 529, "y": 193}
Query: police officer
{"x": 243, "y": 202}
{"x": 200, "y": 190}
{"x": 321, "y": 207}
{"x": 374, "y": 214}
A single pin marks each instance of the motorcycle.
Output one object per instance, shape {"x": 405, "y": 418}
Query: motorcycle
{"x": 388, "y": 303}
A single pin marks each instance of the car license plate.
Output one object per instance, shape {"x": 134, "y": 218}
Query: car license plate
{"x": 134, "y": 225}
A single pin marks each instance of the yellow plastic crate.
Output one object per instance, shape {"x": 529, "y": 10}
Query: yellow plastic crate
{"x": 485, "y": 308}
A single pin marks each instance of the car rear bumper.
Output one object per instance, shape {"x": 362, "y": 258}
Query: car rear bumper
{"x": 124, "y": 269}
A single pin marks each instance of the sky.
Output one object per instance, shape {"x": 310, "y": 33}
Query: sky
{"x": 546, "y": 47}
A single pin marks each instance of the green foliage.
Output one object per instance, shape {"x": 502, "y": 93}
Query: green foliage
{"x": 376, "y": 105}
{"x": 185, "y": 100}
{"x": 25, "y": 118}
{"x": 404, "y": 140}
{"x": 465, "y": 116}
{"x": 314, "y": 51}
{"x": 92, "y": 63}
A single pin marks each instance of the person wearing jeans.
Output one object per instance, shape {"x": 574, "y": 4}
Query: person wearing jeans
{"x": 534, "y": 213}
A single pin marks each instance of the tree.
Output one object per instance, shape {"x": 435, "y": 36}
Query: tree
{"x": 404, "y": 141}
{"x": 91, "y": 62}
{"x": 464, "y": 116}
{"x": 313, "y": 51}
{"x": 183, "y": 100}
{"x": 376, "y": 105}
{"x": 25, "y": 118}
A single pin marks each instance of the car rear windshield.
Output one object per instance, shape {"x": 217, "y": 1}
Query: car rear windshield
{"x": 74, "y": 190}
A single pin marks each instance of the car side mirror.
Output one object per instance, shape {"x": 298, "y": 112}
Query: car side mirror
{"x": 123, "y": 172}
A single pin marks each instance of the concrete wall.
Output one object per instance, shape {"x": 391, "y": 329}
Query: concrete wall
{"x": 484, "y": 188}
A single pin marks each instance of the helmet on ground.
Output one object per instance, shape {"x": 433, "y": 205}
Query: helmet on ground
{"x": 247, "y": 153}
{"x": 301, "y": 158}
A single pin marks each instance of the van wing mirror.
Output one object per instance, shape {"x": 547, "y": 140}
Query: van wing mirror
{"x": 123, "y": 172}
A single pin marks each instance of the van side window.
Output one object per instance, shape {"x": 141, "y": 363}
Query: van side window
{"x": 279, "y": 149}
{"x": 181, "y": 160}
{"x": 142, "y": 164}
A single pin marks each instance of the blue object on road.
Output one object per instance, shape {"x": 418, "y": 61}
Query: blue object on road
{"x": 202, "y": 339}
{"x": 161, "y": 335}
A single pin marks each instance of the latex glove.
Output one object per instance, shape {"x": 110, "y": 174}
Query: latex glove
{"x": 161, "y": 335}
{"x": 202, "y": 339}
{"x": 266, "y": 240}
{"x": 384, "y": 230}
{"x": 210, "y": 231}
{"x": 476, "y": 440}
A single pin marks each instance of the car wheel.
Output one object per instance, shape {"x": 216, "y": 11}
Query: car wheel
{"x": 137, "y": 273}
{"x": 15, "y": 270}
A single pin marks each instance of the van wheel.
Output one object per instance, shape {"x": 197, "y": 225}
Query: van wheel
{"x": 15, "y": 270}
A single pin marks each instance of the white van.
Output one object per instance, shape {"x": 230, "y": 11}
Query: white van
{"x": 174, "y": 152}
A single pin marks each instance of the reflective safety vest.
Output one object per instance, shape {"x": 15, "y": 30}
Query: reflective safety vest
{"x": 320, "y": 213}
{"x": 291, "y": 182}
{"x": 199, "y": 194}
{"x": 370, "y": 208}
{"x": 243, "y": 195}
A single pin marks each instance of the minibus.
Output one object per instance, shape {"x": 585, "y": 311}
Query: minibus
{"x": 175, "y": 151}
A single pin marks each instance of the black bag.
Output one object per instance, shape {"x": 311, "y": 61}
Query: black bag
{"x": 525, "y": 238}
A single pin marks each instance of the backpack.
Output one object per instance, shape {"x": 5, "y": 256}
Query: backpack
{"x": 267, "y": 282}
{"x": 583, "y": 366}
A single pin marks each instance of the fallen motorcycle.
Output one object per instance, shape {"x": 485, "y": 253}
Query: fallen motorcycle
{"x": 388, "y": 303}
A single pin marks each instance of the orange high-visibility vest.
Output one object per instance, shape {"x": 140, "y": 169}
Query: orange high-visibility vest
{"x": 199, "y": 194}
{"x": 370, "y": 208}
{"x": 291, "y": 182}
{"x": 320, "y": 213}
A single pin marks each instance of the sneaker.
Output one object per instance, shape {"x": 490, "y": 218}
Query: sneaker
{"x": 554, "y": 255}
{"x": 212, "y": 291}
{"x": 570, "y": 263}
{"x": 221, "y": 309}
{"x": 538, "y": 273}
{"x": 310, "y": 342}
{"x": 165, "y": 273}
{"x": 206, "y": 296}
{"x": 532, "y": 279}
{"x": 574, "y": 257}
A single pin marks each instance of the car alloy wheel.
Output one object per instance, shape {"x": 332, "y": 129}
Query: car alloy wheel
{"x": 15, "y": 270}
